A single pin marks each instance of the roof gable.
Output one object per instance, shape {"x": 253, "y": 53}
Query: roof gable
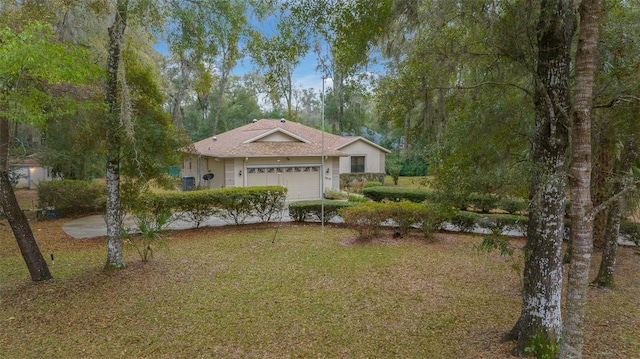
{"x": 350, "y": 140}
{"x": 277, "y": 135}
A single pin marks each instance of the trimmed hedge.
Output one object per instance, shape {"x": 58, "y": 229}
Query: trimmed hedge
{"x": 631, "y": 230}
{"x": 367, "y": 219}
{"x": 235, "y": 204}
{"x": 465, "y": 221}
{"x": 312, "y": 210}
{"x": 71, "y": 197}
{"x": 371, "y": 184}
{"x": 397, "y": 194}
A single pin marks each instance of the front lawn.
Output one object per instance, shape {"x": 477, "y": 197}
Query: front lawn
{"x": 292, "y": 292}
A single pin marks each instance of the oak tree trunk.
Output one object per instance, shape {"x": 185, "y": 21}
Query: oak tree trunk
{"x": 605, "y": 279}
{"x": 19, "y": 223}
{"x": 115, "y": 258}
{"x": 580, "y": 184}
{"x": 540, "y": 318}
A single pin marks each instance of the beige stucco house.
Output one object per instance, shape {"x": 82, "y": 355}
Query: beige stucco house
{"x": 279, "y": 152}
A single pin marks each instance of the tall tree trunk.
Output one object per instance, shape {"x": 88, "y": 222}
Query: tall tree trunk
{"x": 540, "y": 318}
{"x": 580, "y": 184}
{"x": 17, "y": 220}
{"x": 115, "y": 257}
{"x": 604, "y": 142}
{"x": 605, "y": 278}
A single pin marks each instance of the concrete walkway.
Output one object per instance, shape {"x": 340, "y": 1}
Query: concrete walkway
{"x": 95, "y": 225}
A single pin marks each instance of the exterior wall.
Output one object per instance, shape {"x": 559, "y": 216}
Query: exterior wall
{"x": 233, "y": 172}
{"x": 335, "y": 171}
{"x": 197, "y": 167}
{"x": 29, "y": 177}
{"x": 374, "y": 159}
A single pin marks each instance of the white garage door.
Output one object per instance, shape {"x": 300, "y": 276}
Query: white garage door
{"x": 302, "y": 182}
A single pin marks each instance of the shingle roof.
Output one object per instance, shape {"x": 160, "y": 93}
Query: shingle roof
{"x": 245, "y": 141}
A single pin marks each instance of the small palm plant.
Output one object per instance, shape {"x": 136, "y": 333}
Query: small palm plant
{"x": 151, "y": 232}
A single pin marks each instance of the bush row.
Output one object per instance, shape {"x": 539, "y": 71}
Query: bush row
{"x": 312, "y": 210}
{"x": 234, "y": 204}
{"x": 482, "y": 202}
{"x": 397, "y": 194}
{"x": 70, "y": 197}
{"x": 465, "y": 221}
{"x": 367, "y": 219}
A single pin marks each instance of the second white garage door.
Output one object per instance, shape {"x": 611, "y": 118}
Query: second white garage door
{"x": 302, "y": 182}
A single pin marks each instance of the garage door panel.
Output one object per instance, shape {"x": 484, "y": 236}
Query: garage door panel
{"x": 302, "y": 182}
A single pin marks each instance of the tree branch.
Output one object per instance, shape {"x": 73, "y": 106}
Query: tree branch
{"x": 616, "y": 100}
{"x": 602, "y": 206}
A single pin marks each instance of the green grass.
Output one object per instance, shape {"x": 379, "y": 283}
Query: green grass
{"x": 242, "y": 292}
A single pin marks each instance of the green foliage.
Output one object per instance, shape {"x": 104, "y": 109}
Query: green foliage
{"x": 312, "y": 210}
{"x": 433, "y": 216}
{"x": 365, "y": 219}
{"x": 197, "y": 206}
{"x": 404, "y": 214}
{"x": 631, "y": 230}
{"x": 512, "y": 205}
{"x": 484, "y": 202}
{"x": 152, "y": 143}
{"x": 233, "y": 203}
{"x": 32, "y": 62}
{"x": 70, "y": 197}
{"x": 151, "y": 232}
{"x": 397, "y": 194}
{"x": 267, "y": 202}
{"x": 414, "y": 164}
{"x": 331, "y": 193}
{"x": 393, "y": 169}
{"x": 464, "y": 221}
{"x": 496, "y": 223}
{"x": 370, "y": 184}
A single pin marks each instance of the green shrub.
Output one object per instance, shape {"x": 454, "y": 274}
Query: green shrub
{"x": 366, "y": 219}
{"x": 433, "y": 216}
{"x": 357, "y": 198}
{"x": 69, "y": 197}
{"x": 238, "y": 203}
{"x": 631, "y": 230}
{"x": 267, "y": 201}
{"x": 500, "y": 223}
{"x": 484, "y": 202}
{"x": 312, "y": 210}
{"x": 397, "y": 194}
{"x": 151, "y": 232}
{"x": 464, "y": 221}
{"x": 331, "y": 193}
{"x": 512, "y": 205}
{"x": 198, "y": 206}
{"x": 404, "y": 214}
{"x": 235, "y": 204}
{"x": 370, "y": 184}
